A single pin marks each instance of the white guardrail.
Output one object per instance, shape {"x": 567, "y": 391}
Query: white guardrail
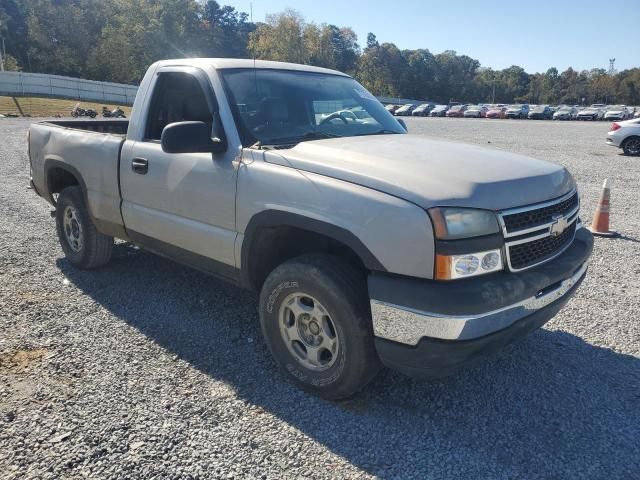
{"x": 19, "y": 84}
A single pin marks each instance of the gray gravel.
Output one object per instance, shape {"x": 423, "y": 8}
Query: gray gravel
{"x": 146, "y": 369}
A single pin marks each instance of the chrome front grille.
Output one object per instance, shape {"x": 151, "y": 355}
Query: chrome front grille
{"x": 537, "y": 233}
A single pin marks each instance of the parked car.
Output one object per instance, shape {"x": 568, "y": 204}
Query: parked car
{"x": 496, "y": 111}
{"x": 617, "y": 113}
{"x": 625, "y": 135}
{"x": 367, "y": 246}
{"x": 391, "y": 108}
{"x": 517, "y": 111}
{"x": 423, "y": 110}
{"x": 541, "y": 112}
{"x": 590, "y": 113}
{"x": 565, "y": 112}
{"x": 405, "y": 110}
{"x": 456, "y": 111}
{"x": 475, "y": 111}
{"x": 439, "y": 111}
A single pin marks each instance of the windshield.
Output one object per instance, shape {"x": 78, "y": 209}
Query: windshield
{"x": 565, "y": 109}
{"x": 279, "y": 107}
{"x": 515, "y": 106}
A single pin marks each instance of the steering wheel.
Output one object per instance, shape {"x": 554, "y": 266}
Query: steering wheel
{"x": 333, "y": 116}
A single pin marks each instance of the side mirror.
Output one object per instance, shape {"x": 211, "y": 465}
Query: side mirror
{"x": 404, "y": 125}
{"x": 191, "y": 137}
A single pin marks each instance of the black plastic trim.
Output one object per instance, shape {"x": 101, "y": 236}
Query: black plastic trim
{"x": 199, "y": 262}
{"x": 483, "y": 293}
{"x": 51, "y": 163}
{"x": 279, "y": 218}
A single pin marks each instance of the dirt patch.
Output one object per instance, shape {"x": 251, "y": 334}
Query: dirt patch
{"x": 22, "y": 359}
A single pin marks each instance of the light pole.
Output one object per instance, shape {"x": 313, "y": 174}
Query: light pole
{"x": 2, "y": 55}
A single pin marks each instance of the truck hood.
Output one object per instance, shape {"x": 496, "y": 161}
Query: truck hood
{"x": 430, "y": 172}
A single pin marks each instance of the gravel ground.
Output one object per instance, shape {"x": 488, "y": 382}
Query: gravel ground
{"x": 146, "y": 369}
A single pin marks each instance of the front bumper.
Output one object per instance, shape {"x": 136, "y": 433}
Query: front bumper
{"x": 430, "y": 329}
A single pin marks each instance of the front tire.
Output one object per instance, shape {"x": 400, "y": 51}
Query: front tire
{"x": 83, "y": 245}
{"x": 316, "y": 321}
{"x": 631, "y": 146}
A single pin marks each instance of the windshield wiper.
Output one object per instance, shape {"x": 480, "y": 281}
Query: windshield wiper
{"x": 316, "y": 135}
{"x": 311, "y": 135}
{"x": 382, "y": 131}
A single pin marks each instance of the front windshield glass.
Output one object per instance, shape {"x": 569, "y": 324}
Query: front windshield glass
{"x": 515, "y": 106}
{"x": 279, "y": 107}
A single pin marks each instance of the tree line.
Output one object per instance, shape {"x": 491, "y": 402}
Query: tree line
{"x": 116, "y": 40}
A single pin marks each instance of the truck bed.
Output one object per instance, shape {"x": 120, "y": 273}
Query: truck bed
{"x": 87, "y": 149}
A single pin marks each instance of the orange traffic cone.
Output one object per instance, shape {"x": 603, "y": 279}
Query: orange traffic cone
{"x": 600, "y": 224}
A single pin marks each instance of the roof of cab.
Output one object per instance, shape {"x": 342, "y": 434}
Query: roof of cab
{"x": 227, "y": 63}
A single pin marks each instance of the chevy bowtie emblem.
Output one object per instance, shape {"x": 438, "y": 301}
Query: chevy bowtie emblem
{"x": 558, "y": 226}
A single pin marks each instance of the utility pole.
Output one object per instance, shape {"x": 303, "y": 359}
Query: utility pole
{"x": 493, "y": 96}
{"x": 3, "y": 54}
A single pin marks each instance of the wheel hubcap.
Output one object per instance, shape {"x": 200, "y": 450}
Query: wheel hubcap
{"x": 308, "y": 332}
{"x": 72, "y": 228}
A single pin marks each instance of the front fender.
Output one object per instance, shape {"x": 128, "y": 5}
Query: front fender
{"x": 388, "y": 233}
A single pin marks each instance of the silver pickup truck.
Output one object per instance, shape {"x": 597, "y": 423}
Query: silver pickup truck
{"x": 369, "y": 246}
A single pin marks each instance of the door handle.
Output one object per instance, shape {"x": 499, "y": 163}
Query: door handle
{"x": 140, "y": 165}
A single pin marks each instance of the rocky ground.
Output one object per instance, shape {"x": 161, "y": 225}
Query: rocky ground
{"x": 146, "y": 369}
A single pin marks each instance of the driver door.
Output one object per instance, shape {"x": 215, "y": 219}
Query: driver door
{"x": 181, "y": 205}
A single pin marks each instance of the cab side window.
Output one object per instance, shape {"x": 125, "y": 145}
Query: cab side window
{"x": 177, "y": 97}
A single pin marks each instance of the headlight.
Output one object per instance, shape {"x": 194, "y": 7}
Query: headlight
{"x": 452, "y": 223}
{"x": 450, "y": 267}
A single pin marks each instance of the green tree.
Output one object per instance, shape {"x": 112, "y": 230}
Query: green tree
{"x": 280, "y": 38}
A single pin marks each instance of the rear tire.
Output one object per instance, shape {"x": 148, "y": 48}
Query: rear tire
{"x": 316, "y": 321}
{"x": 631, "y": 146}
{"x": 81, "y": 242}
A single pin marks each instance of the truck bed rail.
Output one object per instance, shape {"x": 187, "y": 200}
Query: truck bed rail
{"x": 116, "y": 127}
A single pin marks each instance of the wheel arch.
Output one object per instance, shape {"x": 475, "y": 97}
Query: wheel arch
{"x": 274, "y": 236}
{"x": 60, "y": 175}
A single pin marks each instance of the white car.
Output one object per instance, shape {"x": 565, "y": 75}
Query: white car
{"x": 475, "y": 111}
{"x": 617, "y": 112}
{"x": 625, "y": 135}
{"x": 591, "y": 113}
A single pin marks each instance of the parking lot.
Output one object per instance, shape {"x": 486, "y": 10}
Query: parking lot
{"x": 146, "y": 369}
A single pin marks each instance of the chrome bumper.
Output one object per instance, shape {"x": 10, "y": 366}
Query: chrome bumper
{"x": 400, "y": 324}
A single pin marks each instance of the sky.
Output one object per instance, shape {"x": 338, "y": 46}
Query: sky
{"x": 535, "y": 34}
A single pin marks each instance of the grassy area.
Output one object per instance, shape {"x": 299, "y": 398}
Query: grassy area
{"x": 50, "y": 107}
